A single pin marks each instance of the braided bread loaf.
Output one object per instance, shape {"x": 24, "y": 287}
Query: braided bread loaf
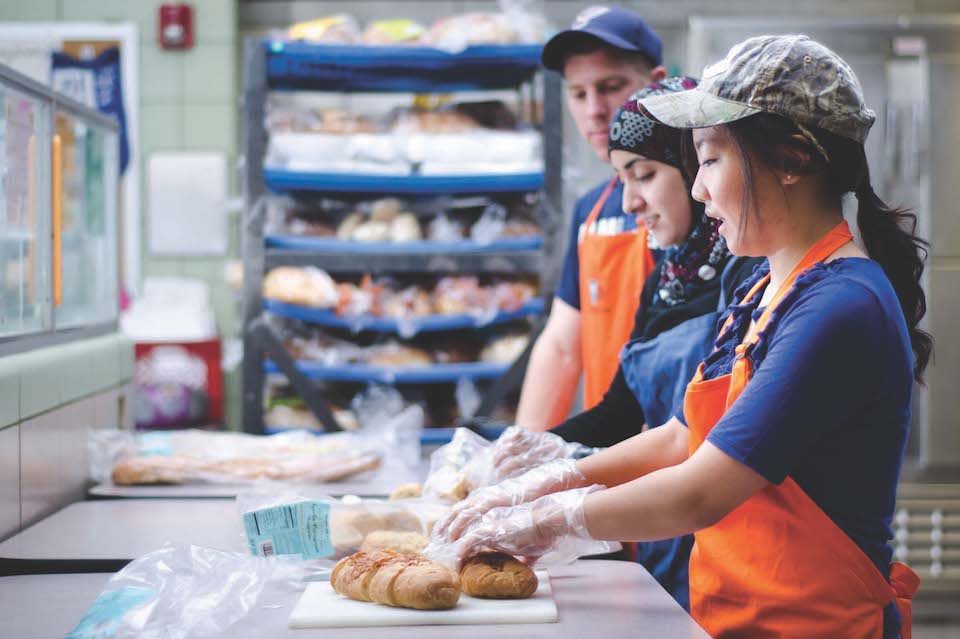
{"x": 394, "y": 579}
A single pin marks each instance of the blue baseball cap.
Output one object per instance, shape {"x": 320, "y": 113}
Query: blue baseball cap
{"x": 613, "y": 26}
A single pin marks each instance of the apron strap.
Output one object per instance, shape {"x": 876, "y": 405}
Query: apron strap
{"x": 905, "y": 583}
{"x": 598, "y": 206}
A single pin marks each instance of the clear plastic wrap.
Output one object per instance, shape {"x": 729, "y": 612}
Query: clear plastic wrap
{"x": 321, "y": 529}
{"x": 443, "y": 229}
{"x": 546, "y": 532}
{"x": 447, "y": 478}
{"x": 194, "y": 456}
{"x": 188, "y": 592}
{"x": 489, "y": 226}
{"x": 518, "y": 450}
{"x": 556, "y": 476}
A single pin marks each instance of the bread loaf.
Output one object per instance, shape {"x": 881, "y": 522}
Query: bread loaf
{"x": 394, "y": 579}
{"x": 497, "y": 575}
{"x": 408, "y": 543}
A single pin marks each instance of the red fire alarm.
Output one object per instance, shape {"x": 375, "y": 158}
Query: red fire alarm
{"x": 175, "y": 26}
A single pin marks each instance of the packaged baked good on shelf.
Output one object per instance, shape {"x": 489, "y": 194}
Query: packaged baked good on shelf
{"x": 335, "y": 29}
{"x": 510, "y": 296}
{"x": 307, "y": 286}
{"x": 433, "y": 121}
{"x": 443, "y": 228}
{"x": 520, "y": 228}
{"x": 342, "y": 122}
{"x": 411, "y": 302}
{"x": 504, "y": 349}
{"x": 393, "y": 353}
{"x": 456, "y": 33}
{"x": 371, "y": 231}
{"x": 385, "y": 209}
{"x": 405, "y": 228}
{"x": 460, "y": 294}
{"x": 398, "y": 31}
{"x": 359, "y": 300}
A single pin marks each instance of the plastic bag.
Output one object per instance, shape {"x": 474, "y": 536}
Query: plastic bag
{"x": 221, "y": 457}
{"x": 189, "y": 592}
{"x": 447, "y": 480}
{"x": 468, "y": 397}
{"x": 443, "y": 229}
{"x": 489, "y": 226}
{"x": 321, "y": 530}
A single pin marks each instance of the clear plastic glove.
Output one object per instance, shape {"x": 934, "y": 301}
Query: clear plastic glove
{"x": 551, "y": 525}
{"x": 556, "y": 476}
{"x": 518, "y": 450}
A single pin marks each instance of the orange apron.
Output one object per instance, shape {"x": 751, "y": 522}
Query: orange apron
{"x": 777, "y": 566}
{"x": 613, "y": 269}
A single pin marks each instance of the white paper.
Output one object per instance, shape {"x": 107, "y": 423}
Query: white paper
{"x": 187, "y": 203}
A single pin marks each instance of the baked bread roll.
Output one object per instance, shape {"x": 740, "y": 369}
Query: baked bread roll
{"x": 407, "y": 491}
{"x": 497, "y": 575}
{"x": 408, "y": 543}
{"x": 394, "y": 579}
{"x": 307, "y": 286}
{"x": 153, "y": 469}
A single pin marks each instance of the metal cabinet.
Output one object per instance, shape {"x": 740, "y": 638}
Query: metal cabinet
{"x": 58, "y": 217}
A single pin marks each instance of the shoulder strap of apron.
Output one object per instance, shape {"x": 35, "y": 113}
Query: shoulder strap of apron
{"x": 598, "y": 206}
{"x": 824, "y": 248}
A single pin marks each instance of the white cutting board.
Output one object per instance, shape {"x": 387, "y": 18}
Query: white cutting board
{"x": 321, "y": 607}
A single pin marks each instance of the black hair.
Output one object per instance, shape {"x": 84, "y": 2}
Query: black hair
{"x": 592, "y": 44}
{"x": 888, "y": 233}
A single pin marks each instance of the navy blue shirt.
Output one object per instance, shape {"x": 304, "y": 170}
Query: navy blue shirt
{"x": 611, "y": 221}
{"x": 829, "y": 401}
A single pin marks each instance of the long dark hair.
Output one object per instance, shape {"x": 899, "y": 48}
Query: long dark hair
{"x": 888, "y": 233}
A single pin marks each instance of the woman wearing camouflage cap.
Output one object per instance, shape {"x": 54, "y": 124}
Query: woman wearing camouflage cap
{"x": 786, "y": 454}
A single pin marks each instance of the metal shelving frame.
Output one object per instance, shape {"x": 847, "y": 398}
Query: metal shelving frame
{"x": 260, "y": 338}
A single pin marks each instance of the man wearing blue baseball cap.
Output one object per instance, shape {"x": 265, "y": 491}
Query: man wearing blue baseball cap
{"x": 606, "y": 55}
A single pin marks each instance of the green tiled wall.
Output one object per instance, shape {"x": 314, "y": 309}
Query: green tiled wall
{"x": 47, "y": 378}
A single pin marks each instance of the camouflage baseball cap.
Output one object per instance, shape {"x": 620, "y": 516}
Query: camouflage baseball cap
{"x": 791, "y": 76}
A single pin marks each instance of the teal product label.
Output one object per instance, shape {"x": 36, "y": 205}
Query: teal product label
{"x": 103, "y": 617}
{"x": 302, "y": 528}
{"x": 155, "y": 444}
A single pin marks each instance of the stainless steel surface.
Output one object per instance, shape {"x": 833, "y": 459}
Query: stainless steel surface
{"x": 9, "y": 481}
{"x": 594, "y": 598}
{"x": 127, "y": 528}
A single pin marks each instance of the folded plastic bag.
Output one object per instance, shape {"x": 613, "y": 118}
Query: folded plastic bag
{"x": 188, "y": 592}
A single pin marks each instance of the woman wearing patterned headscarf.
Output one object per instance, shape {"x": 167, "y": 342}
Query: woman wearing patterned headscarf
{"x": 680, "y": 305}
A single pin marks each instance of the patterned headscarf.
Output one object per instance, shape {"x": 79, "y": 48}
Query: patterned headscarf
{"x": 700, "y": 258}
{"x": 633, "y": 131}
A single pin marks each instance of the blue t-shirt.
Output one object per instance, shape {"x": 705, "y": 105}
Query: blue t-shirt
{"x": 611, "y": 221}
{"x": 829, "y": 401}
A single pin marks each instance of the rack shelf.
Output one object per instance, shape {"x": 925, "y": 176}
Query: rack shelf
{"x": 428, "y": 323}
{"x": 433, "y": 374}
{"x": 422, "y": 247}
{"x": 277, "y": 65}
{"x": 283, "y": 181}
{"x": 325, "y": 67}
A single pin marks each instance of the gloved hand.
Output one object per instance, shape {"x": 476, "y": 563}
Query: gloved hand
{"x": 518, "y": 450}
{"x": 553, "y": 524}
{"x": 558, "y": 475}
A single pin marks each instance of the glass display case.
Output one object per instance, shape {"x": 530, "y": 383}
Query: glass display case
{"x": 24, "y": 212}
{"x": 59, "y": 250}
